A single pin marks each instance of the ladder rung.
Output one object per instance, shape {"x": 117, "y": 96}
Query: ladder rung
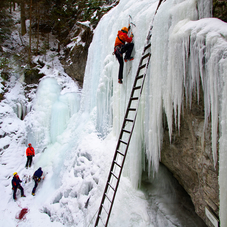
{"x": 139, "y": 77}
{"x": 104, "y": 209}
{"x": 142, "y": 66}
{"x": 114, "y": 175}
{"x": 108, "y": 198}
{"x": 126, "y": 131}
{"x": 134, "y": 98}
{"x": 111, "y": 186}
{"x": 128, "y": 120}
{"x": 120, "y": 153}
{"x": 145, "y": 56}
{"x": 131, "y": 109}
{"x": 123, "y": 142}
{"x": 136, "y": 88}
{"x": 117, "y": 164}
{"x": 101, "y": 220}
{"x": 146, "y": 47}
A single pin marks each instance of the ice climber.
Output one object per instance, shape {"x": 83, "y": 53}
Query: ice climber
{"x": 37, "y": 178}
{"x": 123, "y": 44}
{"x": 15, "y": 185}
{"x": 30, "y": 152}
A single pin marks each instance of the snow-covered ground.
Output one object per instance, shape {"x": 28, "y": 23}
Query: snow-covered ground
{"x": 74, "y": 132}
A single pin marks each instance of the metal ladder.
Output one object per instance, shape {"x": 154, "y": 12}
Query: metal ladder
{"x": 124, "y": 136}
{"x": 123, "y": 141}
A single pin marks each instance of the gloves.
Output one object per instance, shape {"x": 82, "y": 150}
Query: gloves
{"x": 129, "y": 27}
{"x": 132, "y": 35}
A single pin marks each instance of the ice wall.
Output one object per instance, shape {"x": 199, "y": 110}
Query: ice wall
{"x": 185, "y": 50}
{"x": 187, "y": 53}
{"x": 167, "y": 72}
{"x": 51, "y": 112}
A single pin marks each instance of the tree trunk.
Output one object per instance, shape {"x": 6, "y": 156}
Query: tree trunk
{"x": 30, "y": 34}
{"x": 23, "y": 18}
{"x": 37, "y": 45}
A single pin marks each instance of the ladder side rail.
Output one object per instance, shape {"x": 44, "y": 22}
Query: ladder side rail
{"x": 151, "y": 27}
{"x": 135, "y": 81}
{"x": 124, "y": 122}
{"x": 120, "y": 136}
{"x": 126, "y": 149}
{"x": 111, "y": 169}
{"x": 108, "y": 179}
{"x": 107, "y": 183}
{"x": 144, "y": 77}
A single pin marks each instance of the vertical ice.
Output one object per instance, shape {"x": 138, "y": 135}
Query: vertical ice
{"x": 169, "y": 71}
{"x": 185, "y": 53}
{"x": 39, "y": 128}
{"x": 174, "y": 74}
{"x": 51, "y": 113}
{"x": 223, "y": 141}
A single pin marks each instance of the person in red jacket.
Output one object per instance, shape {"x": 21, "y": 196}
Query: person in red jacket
{"x": 123, "y": 44}
{"x": 30, "y": 152}
{"x": 15, "y": 185}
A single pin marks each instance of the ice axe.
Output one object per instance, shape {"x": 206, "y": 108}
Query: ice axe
{"x": 129, "y": 24}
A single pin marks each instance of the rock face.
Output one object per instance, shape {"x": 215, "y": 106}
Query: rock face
{"x": 189, "y": 158}
{"x": 76, "y": 58}
{"x": 77, "y": 69}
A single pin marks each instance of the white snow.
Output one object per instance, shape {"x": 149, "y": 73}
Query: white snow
{"x": 74, "y": 132}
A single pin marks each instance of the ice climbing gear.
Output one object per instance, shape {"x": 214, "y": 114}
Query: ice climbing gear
{"x": 128, "y": 59}
{"x": 117, "y": 50}
{"x": 130, "y": 24}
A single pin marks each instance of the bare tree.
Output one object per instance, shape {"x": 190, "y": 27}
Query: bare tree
{"x": 30, "y": 34}
{"x": 23, "y": 17}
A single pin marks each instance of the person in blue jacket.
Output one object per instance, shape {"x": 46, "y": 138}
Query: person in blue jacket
{"x": 37, "y": 178}
{"x": 15, "y": 185}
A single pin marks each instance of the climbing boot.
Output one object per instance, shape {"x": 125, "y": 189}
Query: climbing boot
{"x": 128, "y": 59}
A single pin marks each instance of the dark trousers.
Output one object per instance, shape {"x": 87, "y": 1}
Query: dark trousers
{"x": 15, "y": 191}
{"x": 29, "y": 161}
{"x": 127, "y": 49}
{"x": 36, "y": 184}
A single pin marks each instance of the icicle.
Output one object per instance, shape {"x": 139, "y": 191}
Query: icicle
{"x": 205, "y": 8}
{"x": 223, "y": 144}
{"x": 19, "y": 110}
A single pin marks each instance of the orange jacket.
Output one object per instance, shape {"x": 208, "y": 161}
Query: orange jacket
{"x": 30, "y": 151}
{"x": 122, "y": 37}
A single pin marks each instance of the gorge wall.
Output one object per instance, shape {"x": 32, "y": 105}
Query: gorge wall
{"x": 189, "y": 158}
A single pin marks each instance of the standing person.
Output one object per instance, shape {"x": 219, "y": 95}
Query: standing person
{"x": 121, "y": 47}
{"x": 30, "y": 152}
{"x": 37, "y": 178}
{"x": 15, "y": 185}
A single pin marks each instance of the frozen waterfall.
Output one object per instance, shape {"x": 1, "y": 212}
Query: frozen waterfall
{"x": 80, "y": 130}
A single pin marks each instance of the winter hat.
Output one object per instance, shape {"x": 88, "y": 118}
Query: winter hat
{"x": 124, "y": 29}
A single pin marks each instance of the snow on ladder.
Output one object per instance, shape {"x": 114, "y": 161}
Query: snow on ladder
{"x": 124, "y": 137}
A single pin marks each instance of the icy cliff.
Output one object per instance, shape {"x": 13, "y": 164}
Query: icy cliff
{"x": 74, "y": 132}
